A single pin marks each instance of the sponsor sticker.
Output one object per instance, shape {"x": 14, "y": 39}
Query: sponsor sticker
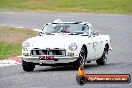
{"x": 83, "y": 78}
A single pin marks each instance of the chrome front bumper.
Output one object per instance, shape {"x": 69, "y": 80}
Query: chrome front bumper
{"x": 57, "y": 59}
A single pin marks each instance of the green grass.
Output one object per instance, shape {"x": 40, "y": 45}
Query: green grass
{"x": 11, "y": 39}
{"x": 103, "y": 6}
{"x": 9, "y": 50}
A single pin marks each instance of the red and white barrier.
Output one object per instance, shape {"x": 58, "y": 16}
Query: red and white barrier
{"x": 10, "y": 61}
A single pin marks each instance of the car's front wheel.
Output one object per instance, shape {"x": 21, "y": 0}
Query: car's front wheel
{"x": 82, "y": 58}
{"x": 28, "y": 66}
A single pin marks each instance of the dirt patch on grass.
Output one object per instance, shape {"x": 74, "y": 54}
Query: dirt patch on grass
{"x": 11, "y": 39}
{"x": 15, "y": 35}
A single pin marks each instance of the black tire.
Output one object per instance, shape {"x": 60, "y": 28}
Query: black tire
{"x": 103, "y": 59}
{"x": 82, "y": 58}
{"x": 28, "y": 66}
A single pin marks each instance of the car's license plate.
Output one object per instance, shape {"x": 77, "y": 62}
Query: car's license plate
{"x": 46, "y": 58}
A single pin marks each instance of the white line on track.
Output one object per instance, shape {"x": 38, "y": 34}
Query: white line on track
{"x": 7, "y": 12}
{"x": 35, "y": 29}
{"x": 10, "y": 61}
{"x": 4, "y": 63}
{"x": 17, "y": 26}
{"x": 38, "y": 30}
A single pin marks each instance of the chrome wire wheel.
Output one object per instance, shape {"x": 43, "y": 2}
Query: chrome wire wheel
{"x": 82, "y": 56}
{"x": 81, "y": 59}
{"x": 103, "y": 59}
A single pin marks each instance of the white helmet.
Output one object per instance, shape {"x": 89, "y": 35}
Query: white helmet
{"x": 57, "y": 21}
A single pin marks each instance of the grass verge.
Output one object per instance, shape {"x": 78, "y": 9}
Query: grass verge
{"x": 9, "y": 50}
{"x": 103, "y": 6}
{"x": 11, "y": 40}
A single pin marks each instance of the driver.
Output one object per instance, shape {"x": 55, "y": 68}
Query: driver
{"x": 65, "y": 30}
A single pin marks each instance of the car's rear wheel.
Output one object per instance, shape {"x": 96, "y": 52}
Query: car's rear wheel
{"x": 103, "y": 59}
{"x": 28, "y": 66}
{"x": 82, "y": 58}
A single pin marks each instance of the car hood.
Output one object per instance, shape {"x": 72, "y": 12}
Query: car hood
{"x": 55, "y": 41}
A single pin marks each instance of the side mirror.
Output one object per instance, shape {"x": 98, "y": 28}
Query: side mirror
{"x": 95, "y": 33}
{"x": 40, "y": 33}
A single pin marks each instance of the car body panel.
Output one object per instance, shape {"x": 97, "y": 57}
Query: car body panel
{"x": 94, "y": 43}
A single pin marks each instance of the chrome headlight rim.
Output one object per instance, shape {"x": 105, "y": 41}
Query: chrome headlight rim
{"x": 25, "y": 45}
{"x": 24, "y": 48}
{"x": 72, "y": 47}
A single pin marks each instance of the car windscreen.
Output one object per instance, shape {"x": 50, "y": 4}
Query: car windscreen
{"x": 64, "y": 27}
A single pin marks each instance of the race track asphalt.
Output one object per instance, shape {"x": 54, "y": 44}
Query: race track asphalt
{"x": 119, "y": 27}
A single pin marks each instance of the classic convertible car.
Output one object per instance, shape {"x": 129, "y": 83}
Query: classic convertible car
{"x": 65, "y": 42}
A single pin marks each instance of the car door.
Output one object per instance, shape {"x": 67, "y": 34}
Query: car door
{"x": 90, "y": 49}
{"x": 89, "y": 39}
{"x": 97, "y": 46}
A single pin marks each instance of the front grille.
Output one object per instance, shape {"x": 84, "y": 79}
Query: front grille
{"x": 48, "y": 52}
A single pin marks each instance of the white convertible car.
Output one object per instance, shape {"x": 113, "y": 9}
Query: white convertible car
{"x": 65, "y": 42}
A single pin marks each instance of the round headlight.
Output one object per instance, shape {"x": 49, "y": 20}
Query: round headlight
{"x": 26, "y": 44}
{"x": 72, "y": 47}
{"x": 24, "y": 48}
